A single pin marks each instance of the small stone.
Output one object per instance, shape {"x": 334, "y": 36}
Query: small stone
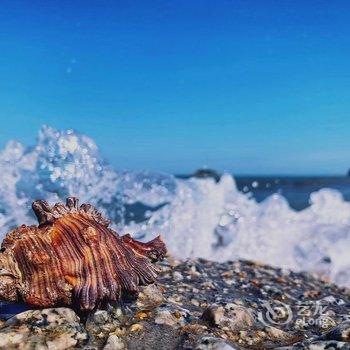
{"x": 196, "y": 328}
{"x": 341, "y": 332}
{"x": 114, "y": 343}
{"x": 177, "y": 276}
{"x": 208, "y": 285}
{"x": 312, "y": 294}
{"x": 213, "y": 315}
{"x": 101, "y": 323}
{"x": 172, "y": 316}
{"x": 177, "y": 314}
{"x": 150, "y": 297}
{"x": 194, "y": 272}
{"x": 100, "y": 317}
{"x": 332, "y": 300}
{"x": 117, "y": 313}
{"x": 165, "y": 317}
{"x": 227, "y": 274}
{"x": 141, "y": 315}
{"x": 194, "y": 302}
{"x": 238, "y": 317}
{"x": 256, "y": 283}
{"x": 212, "y": 343}
{"x": 277, "y": 334}
{"x": 229, "y": 282}
{"x": 136, "y": 327}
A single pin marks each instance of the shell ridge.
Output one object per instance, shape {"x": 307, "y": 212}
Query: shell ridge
{"x": 116, "y": 272}
{"x": 140, "y": 264}
{"x": 86, "y": 286}
{"x": 110, "y": 286}
{"x": 75, "y": 266}
{"x": 94, "y": 252}
{"x": 145, "y": 271}
{"x": 41, "y": 264}
{"x": 141, "y": 267}
{"x": 72, "y": 246}
{"x": 125, "y": 277}
{"x": 121, "y": 274}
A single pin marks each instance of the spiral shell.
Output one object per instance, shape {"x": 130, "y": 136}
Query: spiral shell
{"x": 73, "y": 258}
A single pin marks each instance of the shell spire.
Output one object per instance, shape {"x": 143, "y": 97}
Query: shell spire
{"x": 74, "y": 258}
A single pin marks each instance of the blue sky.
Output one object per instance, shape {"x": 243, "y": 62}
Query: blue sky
{"x": 253, "y": 87}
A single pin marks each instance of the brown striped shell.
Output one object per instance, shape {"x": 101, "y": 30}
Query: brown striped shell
{"x": 73, "y": 258}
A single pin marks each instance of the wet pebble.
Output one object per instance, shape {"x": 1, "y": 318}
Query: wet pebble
{"x": 212, "y": 343}
{"x": 340, "y": 332}
{"x": 114, "y": 343}
{"x": 213, "y": 315}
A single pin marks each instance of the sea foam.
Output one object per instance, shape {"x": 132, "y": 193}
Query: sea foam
{"x": 196, "y": 217}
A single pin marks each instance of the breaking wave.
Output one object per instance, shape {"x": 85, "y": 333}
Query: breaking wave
{"x": 196, "y": 217}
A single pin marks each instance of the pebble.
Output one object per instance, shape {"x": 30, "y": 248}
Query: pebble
{"x": 150, "y": 297}
{"x": 114, "y": 343}
{"x": 340, "y": 332}
{"x": 212, "y": 343}
{"x": 213, "y": 315}
{"x": 177, "y": 276}
{"x": 136, "y": 327}
{"x": 54, "y": 328}
{"x": 238, "y": 317}
{"x": 195, "y": 302}
{"x": 165, "y": 317}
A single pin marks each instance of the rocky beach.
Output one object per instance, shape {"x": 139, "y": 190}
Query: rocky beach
{"x": 199, "y": 304}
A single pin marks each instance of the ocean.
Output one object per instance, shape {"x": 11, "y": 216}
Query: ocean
{"x": 296, "y": 189}
{"x": 299, "y": 223}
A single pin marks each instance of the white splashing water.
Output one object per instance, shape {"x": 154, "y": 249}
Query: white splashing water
{"x": 196, "y": 217}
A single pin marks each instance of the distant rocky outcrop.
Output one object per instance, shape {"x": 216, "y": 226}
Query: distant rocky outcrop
{"x": 203, "y": 174}
{"x": 201, "y": 305}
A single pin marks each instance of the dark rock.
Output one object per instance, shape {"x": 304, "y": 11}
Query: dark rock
{"x": 203, "y": 174}
{"x": 213, "y": 315}
{"x": 207, "y": 173}
{"x": 341, "y": 332}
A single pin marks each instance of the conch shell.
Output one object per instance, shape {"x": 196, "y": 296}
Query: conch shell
{"x": 74, "y": 259}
